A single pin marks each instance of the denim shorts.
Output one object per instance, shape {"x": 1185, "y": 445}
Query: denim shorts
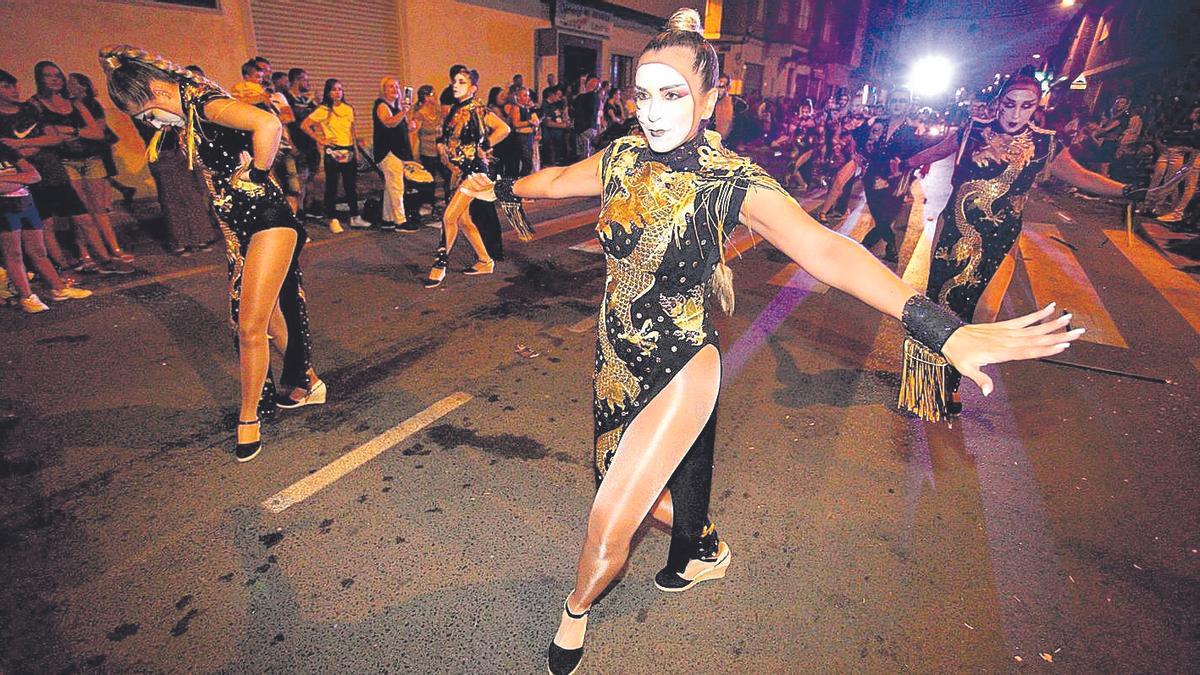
{"x": 19, "y": 213}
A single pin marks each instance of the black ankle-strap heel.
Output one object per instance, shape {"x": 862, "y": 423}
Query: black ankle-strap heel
{"x": 561, "y": 661}
{"x": 244, "y": 452}
{"x": 438, "y": 272}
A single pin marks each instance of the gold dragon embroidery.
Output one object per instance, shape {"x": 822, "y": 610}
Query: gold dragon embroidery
{"x": 1016, "y": 151}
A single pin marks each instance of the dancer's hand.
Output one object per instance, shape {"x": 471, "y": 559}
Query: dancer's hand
{"x": 1025, "y": 337}
{"x": 478, "y": 185}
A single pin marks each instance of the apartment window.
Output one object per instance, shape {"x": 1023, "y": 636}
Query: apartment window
{"x": 803, "y": 14}
{"x": 621, "y": 72}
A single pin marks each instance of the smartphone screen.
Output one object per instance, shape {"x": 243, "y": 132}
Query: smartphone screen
{"x": 408, "y": 94}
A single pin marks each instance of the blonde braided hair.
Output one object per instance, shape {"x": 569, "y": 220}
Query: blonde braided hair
{"x": 113, "y": 57}
{"x": 130, "y": 70}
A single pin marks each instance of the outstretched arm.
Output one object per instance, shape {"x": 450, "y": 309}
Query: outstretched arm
{"x": 844, "y": 264}
{"x": 1065, "y": 168}
{"x": 581, "y": 179}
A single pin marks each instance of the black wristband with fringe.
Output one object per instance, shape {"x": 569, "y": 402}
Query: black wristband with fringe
{"x": 926, "y": 381}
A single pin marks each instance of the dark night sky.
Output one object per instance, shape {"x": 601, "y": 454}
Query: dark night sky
{"x": 982, "y": 37}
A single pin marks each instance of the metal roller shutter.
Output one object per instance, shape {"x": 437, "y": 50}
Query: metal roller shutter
{"x": 356, "y": 41}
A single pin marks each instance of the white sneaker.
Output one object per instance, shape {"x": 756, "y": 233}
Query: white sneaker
{"x": 335, "y": 226}
{"x": 358, "y": 223}
{"x": 70, "y": 293}
{"x": 33, "y": 304}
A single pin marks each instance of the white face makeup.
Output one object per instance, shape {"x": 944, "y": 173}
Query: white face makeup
{"x": 1016, "y": 109}
{"x": 666, "y": 107}
{"x": 461, "y": 87}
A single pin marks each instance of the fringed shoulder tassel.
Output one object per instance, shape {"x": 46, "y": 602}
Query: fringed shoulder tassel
{"x": 924, "y": 382}
{"x": 722, "y": 287}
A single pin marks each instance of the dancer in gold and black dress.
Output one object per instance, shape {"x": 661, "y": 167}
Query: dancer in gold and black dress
{"x": 668, "y": 201}
{"x": 999, "y": 160}
{"x": 235, "y": 145}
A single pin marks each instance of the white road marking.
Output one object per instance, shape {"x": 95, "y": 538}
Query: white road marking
{"x": 313, "y": 483}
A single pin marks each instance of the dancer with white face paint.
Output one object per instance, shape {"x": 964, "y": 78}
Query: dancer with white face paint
{"x": 668, "y": 202}
{"x": 998, "y": 162}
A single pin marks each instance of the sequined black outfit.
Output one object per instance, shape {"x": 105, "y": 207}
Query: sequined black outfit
{"x": 465, "y": 135}
{"x": 982, "y": 220}
{"x": 243, "y": 209}
{"x": 663, "y": 221}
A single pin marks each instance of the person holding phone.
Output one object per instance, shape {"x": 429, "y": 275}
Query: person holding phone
{"x": 392, "y": 149}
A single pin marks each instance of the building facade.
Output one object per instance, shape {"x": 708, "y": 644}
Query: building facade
{"x": 792, "y": 48}
{"x": 1127, "y": 47}
{"x": 357, "y": 41}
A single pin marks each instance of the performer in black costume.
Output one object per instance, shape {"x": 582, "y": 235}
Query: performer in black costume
{"x": 469, "y": 131}
{"x": 668, "y": 203}
{"x": 884, "y": 184}
{"x": 235, "y": 145}
{"x": 998, "y": 162}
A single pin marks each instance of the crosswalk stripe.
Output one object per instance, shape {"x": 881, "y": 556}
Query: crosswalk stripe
{"x": 1056, "y": 275}
{"x": 1180, "y": 290}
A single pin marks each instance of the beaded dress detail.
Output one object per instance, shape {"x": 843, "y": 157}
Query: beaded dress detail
{"x": 663, "y": 222}
{"x": 244, "y": 208}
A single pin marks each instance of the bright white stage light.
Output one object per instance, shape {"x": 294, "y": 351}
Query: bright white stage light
{"x": 930, "y": 76}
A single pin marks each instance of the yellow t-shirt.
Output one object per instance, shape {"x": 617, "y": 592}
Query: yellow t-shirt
{"x": 249, "y": 92}
{"x": 336, "y": 123}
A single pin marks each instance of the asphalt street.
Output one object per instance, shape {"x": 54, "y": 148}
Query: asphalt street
{"x": 428, "y": 517}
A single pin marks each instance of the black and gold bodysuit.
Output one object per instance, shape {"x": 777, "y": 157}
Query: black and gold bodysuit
{"x": 465, "y": 136}
{"x": 663, "y": 222}
{"x": 243, "y": 209}
{"x": 982, "y": 220}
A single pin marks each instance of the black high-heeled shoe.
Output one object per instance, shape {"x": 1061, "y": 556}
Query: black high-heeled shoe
{"x": 438, "y": 273}
{"x": 244, "y": 452}
{"x": 561, "y": 661}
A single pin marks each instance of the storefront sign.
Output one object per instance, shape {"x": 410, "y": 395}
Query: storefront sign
{"x": 570, "y": 16}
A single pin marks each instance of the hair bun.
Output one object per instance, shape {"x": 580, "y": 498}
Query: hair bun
{"x": 687, "y": 20}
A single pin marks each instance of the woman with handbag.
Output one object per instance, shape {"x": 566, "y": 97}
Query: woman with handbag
{"x": 332, "y": 126}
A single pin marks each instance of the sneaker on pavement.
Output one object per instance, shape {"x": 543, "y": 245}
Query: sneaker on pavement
{"x": 357, "y": 222}
{"x": 115, "y": 267}
{"x": 387, "y": 226}
{"x": 410, "y": 226}
{"x": 335, "y": 226}
{"x": 1172, "y": 217}
{"x": 33, "y": 304}
{"x": 124, "y": 257}
{"x": 70, "y": 293}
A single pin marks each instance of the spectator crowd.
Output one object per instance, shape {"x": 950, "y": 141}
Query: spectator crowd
{"x": 58, "y": 175}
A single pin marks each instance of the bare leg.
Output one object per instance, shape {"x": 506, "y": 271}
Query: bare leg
{"x": 90, "y": 239}
{"x": 267, "y": 260}
{"x": 95, "y": 194}
{"x": 277, "y": 329}
{"x": 649, "y": 451}
{"x": 34, "y": 244}
{"x": 14, "y": 262}
{"x": 50, "y": 239}
{"x": 471, "y": 232}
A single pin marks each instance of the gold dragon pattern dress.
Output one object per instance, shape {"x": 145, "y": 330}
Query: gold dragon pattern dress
{"x": 663, "y": 221}
{"x": 243, "y": 209}
{"x": 982, "y": 220}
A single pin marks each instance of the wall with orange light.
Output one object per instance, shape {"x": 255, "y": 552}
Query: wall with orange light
{"x": 70, "y": 32}
{"x": 492, "y": 36}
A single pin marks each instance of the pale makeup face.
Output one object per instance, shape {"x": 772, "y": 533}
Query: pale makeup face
{"x": 666, "y": 108}
{"x": 1016, "y": 109}
{"x": 462, "y": 87}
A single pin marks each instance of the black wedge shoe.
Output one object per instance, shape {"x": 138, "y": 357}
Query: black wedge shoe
{"x": 438, "y": 273}
{"x": 707, "y": 562}
{"x": 561, "y": 661}
{"x": 244, "y": 452}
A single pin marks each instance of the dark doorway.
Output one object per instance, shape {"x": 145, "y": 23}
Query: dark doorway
{"x": 575, "y": 61}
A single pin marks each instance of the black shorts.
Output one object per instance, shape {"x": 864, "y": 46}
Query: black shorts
{"x": 57, "y": 200}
